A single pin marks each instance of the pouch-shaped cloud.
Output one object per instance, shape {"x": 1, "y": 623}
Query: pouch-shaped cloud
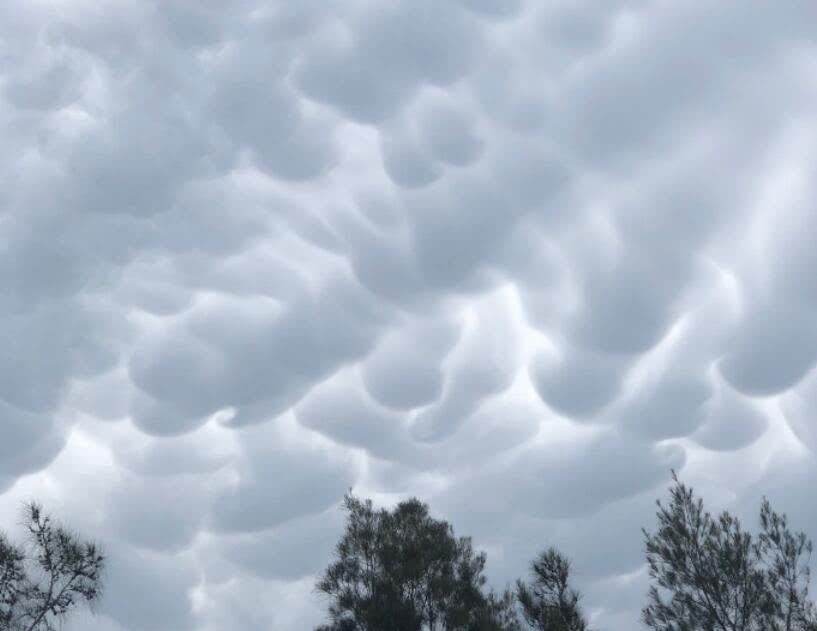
{"x": 340, "y": 409}
{"x": 773, "y": 349}
{"x": 517, "y": 259}
{"x": 570, "y": 479}
{"x": 294, "y": 550}
{"x": 149, "y": 591}
{"x": 280, "y": 476}
{"x": 733, "y": 421}
{"x": 133, "y": 516}
{"x": 29, "y": 441}
{"x": 797, "y": 408}
{"x": 404, "y": 371}
{"x": 579, "y": 383}
{"x": 392, "y": 52}
{"x": 257, "y": 356}
{"x": 484, "y": 363}
{"x": 674, "y": 406}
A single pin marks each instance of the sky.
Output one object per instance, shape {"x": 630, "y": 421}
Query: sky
{"x": 518, "y": 259}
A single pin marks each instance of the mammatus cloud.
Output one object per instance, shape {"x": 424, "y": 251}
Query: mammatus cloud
{"x": 518, "y": 260}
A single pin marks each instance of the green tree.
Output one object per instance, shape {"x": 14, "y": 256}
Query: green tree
{"x": 501, "y": 613}
{"x": 548, "y": 602}
{"x": 707, "y": 572}
{"x": 403, "y": 570}
{"x": 785, "y": 556}
{"x": 43, "y": 580}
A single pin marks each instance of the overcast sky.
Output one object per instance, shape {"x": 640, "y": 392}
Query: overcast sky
{"x": 517, "y": 258}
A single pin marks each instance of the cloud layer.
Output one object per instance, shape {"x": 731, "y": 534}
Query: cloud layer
{"x": 518, "y": 260}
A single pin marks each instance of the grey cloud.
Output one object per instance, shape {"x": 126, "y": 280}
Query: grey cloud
{"x": 615, "y": 548}
{"x": 52, "y": 81}
{"x": 157, "y": 513}
{"x": 577, "y": 27}
{"x": 621, "y": 468}
{"x": 786, "y": 481}
{"x": 29, "y": 441}
{"x": 148, "y": 591}
{"x": 557, "y": 480}
{"x": 455, "y": 227}
{"x": 602, "y": 548}
{"x": 404, "y": 161}
{"x": 196, "y": 220}
{"x": 531, "y": 175}
{"x": 382, "y": 261}
{"x": 133, "y": 164}
{"x": 775, "y": 344}
{"x": 772, "y": 350}
{"x": 340, "y": 410}
{"x": 629, "y": 315}
{"x": 450, "y": 134}
{"x": 191, "y": 26}
{"x": 733, "y": 422}
{"x": 279, "y": 478}
{"x": 483, "y": 364}
{"x": 615, "y": 113}
{"x": 580, "y": 383}
{"x": 500, "y": 424}
{"x": 247, "y": 602}
{"x": 204, "y": 451}
{"x": 672, "y": 406}
{"x": 256, "y": 356}
{"x": 267, "y": 117}
{"x": 35, "y": 380}
{"x": 493, "y": 8}
{"x": 404, "y": 371}
{"x": 294, "y": 550}
{"x": 519, "y": 260}
{"x": 797, "y": 408}
{"x": 388, "y": 53}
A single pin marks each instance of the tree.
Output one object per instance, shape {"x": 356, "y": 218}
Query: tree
{"x": 502, "y": 613}
{"x": 709, "y": 573}
{"x": 403, "y": 570}
{"x": 786, "y": 557}
{"x": 549, "y": 603}
{"x": 41, "y": 582}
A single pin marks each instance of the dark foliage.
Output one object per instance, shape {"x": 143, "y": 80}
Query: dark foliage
{"x": 709, "y": 573}
{"x": 41, "y": 582}
{"x": 548, "y": 602}
{"x": 402, "y": 570}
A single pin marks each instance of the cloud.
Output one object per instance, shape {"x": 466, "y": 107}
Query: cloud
{"x": 295, "y": 550}
{"x": 148, "y": 591}
{"x": 518, "y": 260}
{"x": 280, "y": 477}
{"x": 385, "y": 54}
{"x": 30, "y": 441}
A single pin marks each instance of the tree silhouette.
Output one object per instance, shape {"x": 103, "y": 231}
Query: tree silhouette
{"x": 707, "y": 572}
{"x": 41, "y": 582}
{"x": 403, "y": 570}
{"x": 548, "y": 602}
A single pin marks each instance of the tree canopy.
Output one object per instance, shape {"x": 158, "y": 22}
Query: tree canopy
{"x": 403, "y": 570}
{"x": 548, "y": 602}
{"x": 708, "y": 572}
{"x": 45, "y": 578}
